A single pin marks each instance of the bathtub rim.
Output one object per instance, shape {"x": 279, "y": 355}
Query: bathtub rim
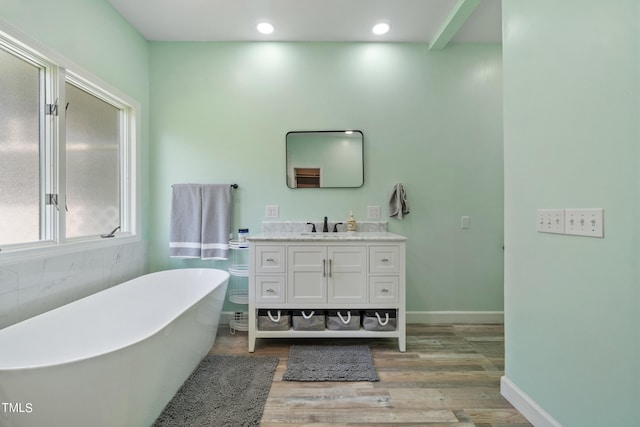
{"x": 168, "y": 321}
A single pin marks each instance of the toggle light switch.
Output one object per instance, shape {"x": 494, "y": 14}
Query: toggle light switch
{"x": 584, "y": 222}
{"x": 550, "y": 221}
{"x": 271, "y": 211}
{"x": 373, "y": 212}
{"x": 577, "y": 222}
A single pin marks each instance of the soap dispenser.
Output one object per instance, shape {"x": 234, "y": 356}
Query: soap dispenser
{"x": 351, "y": 222}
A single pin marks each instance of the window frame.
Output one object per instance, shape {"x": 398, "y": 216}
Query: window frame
{"x": 57, "y": 71}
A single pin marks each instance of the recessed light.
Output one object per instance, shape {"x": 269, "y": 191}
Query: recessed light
{"x": 381, "y": 28}
{"x": 265, "y": 27}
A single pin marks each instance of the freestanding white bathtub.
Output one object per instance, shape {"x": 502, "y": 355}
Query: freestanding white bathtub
{"x": 112, "y": 359}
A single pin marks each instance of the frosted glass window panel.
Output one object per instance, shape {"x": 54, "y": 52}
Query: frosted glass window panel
{"x": 19, "y": 150}
{"x": 92, "y": 148}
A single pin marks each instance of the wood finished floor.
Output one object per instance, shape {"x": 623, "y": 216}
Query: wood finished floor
{"x": 449, "y": 377}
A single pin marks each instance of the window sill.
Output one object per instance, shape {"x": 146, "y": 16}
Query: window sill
{"x": 16, "y": 255}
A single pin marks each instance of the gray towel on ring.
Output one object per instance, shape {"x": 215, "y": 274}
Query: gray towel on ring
{"x": 398, "y": 204}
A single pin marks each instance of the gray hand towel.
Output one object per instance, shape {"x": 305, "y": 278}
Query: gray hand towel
{"x": 186, "y": 221}
{"x": 398, "y": 204}
{"x": 216, "y": 221}
{"x": 200, "y": 221}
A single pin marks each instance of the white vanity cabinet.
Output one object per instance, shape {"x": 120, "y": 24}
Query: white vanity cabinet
{"x": 348, "y": 271}
{"x": 334, "y": 274}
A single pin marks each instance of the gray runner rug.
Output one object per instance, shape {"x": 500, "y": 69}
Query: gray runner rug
{"x": 330, "y": 363}
{"x": 222, "y": 391}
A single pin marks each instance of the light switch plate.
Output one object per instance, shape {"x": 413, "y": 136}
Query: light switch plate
{"x": 584, "y": 222}
{"x": 271, "y": 211}
{"x": 550, "y": 221}
{"x": 373, "y": 212}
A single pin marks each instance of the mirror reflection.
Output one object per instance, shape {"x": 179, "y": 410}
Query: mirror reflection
{"x": 325, "y": 159}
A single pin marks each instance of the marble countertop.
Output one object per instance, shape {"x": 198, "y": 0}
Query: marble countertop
{"x": 276, "y": 227}
{"x": 340, "y": 236}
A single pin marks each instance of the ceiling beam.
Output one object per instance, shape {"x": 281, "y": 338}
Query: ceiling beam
{"x": 456, "y": 19}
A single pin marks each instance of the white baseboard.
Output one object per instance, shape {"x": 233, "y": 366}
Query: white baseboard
{"x": 484, "y": 317}
{"x": 525, "y": 405}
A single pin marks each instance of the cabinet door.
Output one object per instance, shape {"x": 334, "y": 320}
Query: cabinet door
{"x": 347, "y": 274}
{"x": 307, "y": 270}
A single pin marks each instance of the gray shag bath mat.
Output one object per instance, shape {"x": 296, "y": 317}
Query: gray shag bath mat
{"x": 222, "y": 391}
{"x": 330, "y": 363}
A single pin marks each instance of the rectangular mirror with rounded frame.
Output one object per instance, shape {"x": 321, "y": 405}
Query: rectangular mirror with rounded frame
{"x": 325, "y": 159}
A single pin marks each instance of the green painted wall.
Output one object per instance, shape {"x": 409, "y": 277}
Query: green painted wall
{"x": 571, "y": 129}
{"x": 432, "y": 120}
{"x": 91, "y": 34}
{"x": 219, "y": 112}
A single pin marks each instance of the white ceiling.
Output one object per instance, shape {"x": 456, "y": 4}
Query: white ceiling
{"x": 309, "y": 20}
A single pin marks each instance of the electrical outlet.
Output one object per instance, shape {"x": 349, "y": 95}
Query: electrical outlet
{"x": 271, "y": 211}
{"x": 373, "y": 212}
{"x": 584, "y": 222}
{"x": 550, "y": 221}
{"x": 465, "y": 222}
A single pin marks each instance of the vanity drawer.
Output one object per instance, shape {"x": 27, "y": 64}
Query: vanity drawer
{"x": 383, "y": 289}
{"x": 270, "y": 289}
{"x": 383, "y": 259}
{"x": 270, "y": 259}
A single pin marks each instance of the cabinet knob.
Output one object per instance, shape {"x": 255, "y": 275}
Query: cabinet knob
{"x": 384, "y": 290}
{"x": 270, "y": 291}
{"x": 385, "y": 260}
{"x": 270, "y": 260}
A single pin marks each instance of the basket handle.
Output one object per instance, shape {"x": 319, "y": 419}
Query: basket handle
{"x": 305, "y": 316}
{"x": 386, "y": 320}
{"x": 271, "y": 317}
{"x": 342, "y": 318}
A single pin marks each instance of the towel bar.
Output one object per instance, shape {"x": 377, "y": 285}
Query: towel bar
{"x": 234, "y": 186}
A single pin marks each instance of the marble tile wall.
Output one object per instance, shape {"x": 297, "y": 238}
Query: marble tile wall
{"x": 32, "y": 287}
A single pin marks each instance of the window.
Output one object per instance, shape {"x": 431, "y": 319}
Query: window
{"x": 20, "y": 88}
{"x": 67, "y": 152}
{"x": 93, "y": 152}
